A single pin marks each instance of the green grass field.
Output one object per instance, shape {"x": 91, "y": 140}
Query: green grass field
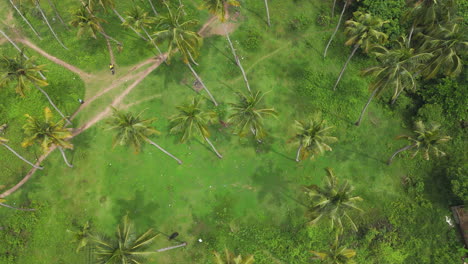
{"x": 256, "y": 186}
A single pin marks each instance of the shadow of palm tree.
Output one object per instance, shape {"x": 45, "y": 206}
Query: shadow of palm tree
{"x": 137, "y": 209}
{"x": 271, "y": 182}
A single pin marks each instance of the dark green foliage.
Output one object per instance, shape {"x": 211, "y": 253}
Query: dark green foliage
{"x": 300, "y": 22}
{"x": 391, "y": 10}
{"x": 322, "y": 20}
{"x": 252, "y": 39}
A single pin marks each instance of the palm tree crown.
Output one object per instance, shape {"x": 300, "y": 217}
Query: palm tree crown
{"x": 365, "y": 31}
{"x": 219, "y": 7}
{"x": 336, "y": 254}
{"x": 138, "y": 18}
{"x": 230, "y": 258}
{"x": 333, "y": 201}
{"x": 248, "y": 114}
{"x": 87, "y": 24}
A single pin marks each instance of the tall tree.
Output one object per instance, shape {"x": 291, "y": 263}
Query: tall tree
{"x": 57, "y": 13}
{"x": 23, "y": 72}
{"x": 248, "y": 115}
{"x": 139, "y": 19}
{"x": 3, "y": 142}
{"x": 24, "y": 19}
{"x": 336, "y": 254}
{"x": 193, "y": 120}
{"x": 364, "y": 32}
{"x": 47, "y": 133}
{"x": 333, "y": 201}
{"x": 426, "y": 141}
{"x": 423, "y": 13}
{"x": 181, "y": 38}
{"x": 86, "y": 23}
{"x": 268, "y": 13}
{"x": 230, "y": 258}
{"x": 132, "y": 130}
{"x": 125, "y": 247}
{"x": 313, "y": 137}
{"x": 397, "y": 70}
{"x": 346, "y": 4}
{"x": 219, "y": 8}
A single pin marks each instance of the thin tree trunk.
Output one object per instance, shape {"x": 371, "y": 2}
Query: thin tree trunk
{"x": 192, "y": 59}
{"x": 57, "y": 14}
{"x": 19, "y": 156}
{"x": 25, "y": 20}
{"x": 201, "y": 82}
{"x": 298, "y": 152}
{"x": 346, "y": 64}
{"x": 365, "y": 107}
{"x": 48, "y": 24}
{"x": 396, "y": 97}
{"x": 336, "y": 29}
{"x": 212, "y": 146}
{"x": 398, "y": 151}
{"x": 410, "y": 35}
{"x": 173, "y": 247}
{"x": 152, "y": 7}
{"x": 109, "y": 37}
{"x": 53, "y": 105}
{"x": 24, "y": 55}
{"x": 268, "y": 13}
{"x": 132, "y": 28}
{"x": 151, "y": 40}
{"x": 237, "y": 58}
{"x": 65, "y": 157}
{"x": 333, "y": 9}
{"x": 163, "y": 150}
{"x": 21, "y": 209}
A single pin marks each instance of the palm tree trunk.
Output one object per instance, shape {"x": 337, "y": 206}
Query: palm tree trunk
{"x": 21, "y": 209}
{"x": 17, "y": 48}
{"x": 201, "y": 82}
{"x": 268, "y": 13}
{"x": 152, "y": 7}
{"x": 163, "y": 150}
{"x": 19, "y": 156}
{"x": 57, "y": 14}
{"x": 151, "y": 40}
{"x": 396, "y": 97}
{"x": 365, "y": 107}
{"x": 398, "y": 151}
{"x": 410, "y": 34}
{"x": 53, "y": 105}
{"x": 346, "y": 64}
{"x": 123, "y": 21}
{"x": 212, "y": 146}
{"x": 237, "y": 58}
{"x": 108, "y": 37}
{"x": 64, "y": 157}
{"x": 333, "y": 9}
{"x": 25, "y": 20}
{"x": 336, "y": 29}
{"x": 173, "y": 247}
{"x": 298, "y": 152}
{"x": 48, "y": 24}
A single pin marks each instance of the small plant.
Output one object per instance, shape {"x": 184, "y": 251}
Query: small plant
{"x": 323, "y": 20}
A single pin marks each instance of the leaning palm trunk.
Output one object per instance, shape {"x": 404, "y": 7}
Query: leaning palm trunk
{"x": 17, "y": 48}
{"x": 57, "y": 14}
{"x": 19, "y": 156}
{"x": 123, "y": 21}
{"x": 151, "y": 40}
{"x": 298, "y": 153}
{"x": 25, "y": 20}
{"x": 398, "y": 151}
{"x": 410, "y": 34}
{"x": 346, "y": 64}
{"x": 173, "y": 247}
{"x": 163, "y": 150}
{"x": 21, "y": 209}
{"x": 268, "y": 13}
{"x": 213, "y": 147}
{"x": 48, "y": 24}
{"x": 201, "y": 82}
{"x": 365, "y": 107}
{"x": 237, "y": 58}
{"x": 53, "y": 105}
{"x": 65, "y": 157}
{"x": 333, "y": 8}
{"x": 336, "y": 29}
{"x": 152, "y": 7}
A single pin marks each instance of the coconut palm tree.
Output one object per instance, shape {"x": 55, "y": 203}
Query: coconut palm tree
{"x": 268, "y": 13}
{"x": 313, "y": 137}
{"x": 57, "y": 13}
{"x": 219, "y": 8}
{"x": 152, "y": 7}
{"x": 426, "y": 141}
{"x": 230, "y": 258}
{"x": 3, "y": 142}
{"x": 397, "y": 71}
{"x": 24, "y": 19}
{"x": 139, "y": 19}
{"x": 47, "y": 133}
{"x": 336, "y": 254}
{"x": 132, "y": 130}
{"x": 423, "y": 13}
{"x": 363, "y": 33}
{"x": 86, "y": 23}
{"x": 346, "y": 4}
{"x": 181, "y": 38}
{"x": 448, "y": 45}
{"x": 23, "y": 72}
{"x": 248, "y": 115}
{"x": 333, "y": 201}
{"x": 125, "y": 246}
{"x": 193, "y": 120}
{"x": 81, "y": 236}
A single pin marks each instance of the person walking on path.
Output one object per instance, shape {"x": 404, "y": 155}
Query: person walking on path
{"x": 111, "y": 68}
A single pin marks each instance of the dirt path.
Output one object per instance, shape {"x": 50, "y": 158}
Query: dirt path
{"x": 83, "y": 75}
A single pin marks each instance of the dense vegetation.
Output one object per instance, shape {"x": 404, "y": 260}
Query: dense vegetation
{"x": 271, "y": 165}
